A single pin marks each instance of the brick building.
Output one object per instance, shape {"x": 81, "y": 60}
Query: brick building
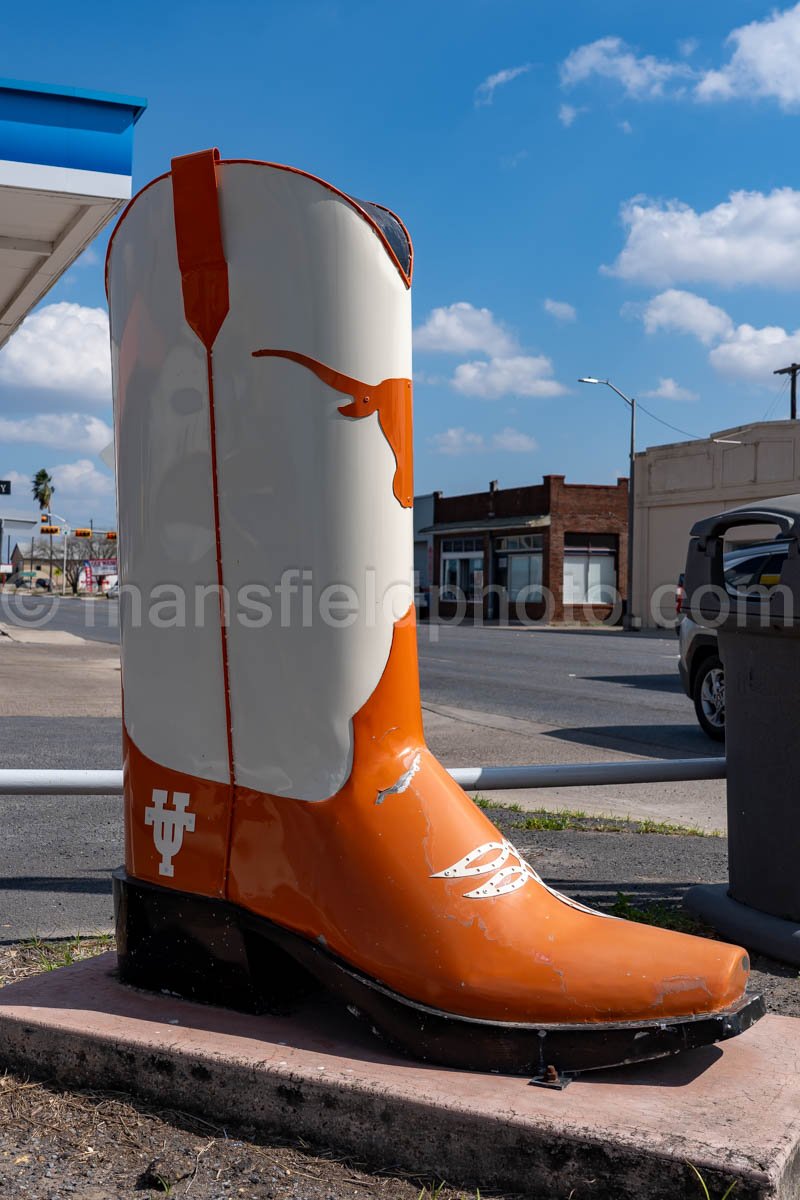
{"x": 555, "y": 551}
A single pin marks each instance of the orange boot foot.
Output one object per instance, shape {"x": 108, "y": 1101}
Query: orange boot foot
{"x": 215, "y": 952}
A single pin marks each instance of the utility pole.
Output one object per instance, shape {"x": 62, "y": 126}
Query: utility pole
{"x": 792, "y": 370}
{"x": 628, "y": 619}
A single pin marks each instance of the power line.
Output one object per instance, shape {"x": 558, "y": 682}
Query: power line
{"x": 661, "y": 421}
{"x": 779, "y": 394}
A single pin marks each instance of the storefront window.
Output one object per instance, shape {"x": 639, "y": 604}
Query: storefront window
{"x": 524, "y": 577}
{"x": 590, "y": 568}
{"x": 462, "y": 575}
{"x": 519, "y": 566}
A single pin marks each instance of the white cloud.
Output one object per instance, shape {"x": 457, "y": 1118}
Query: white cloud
{"x": 77, "y": 488}
{"x": 641, "y": 76}
{"x": 513, "y": 441}
{"x": 63, "y": 431}
{"x": 82, "y": 480}
{"x": 20, "y": 488}
{"x": 763, "y": 63}
{"x": 461, "y": 328}
{"x": 751, "y": 238}
{"x": 89, "y": 258}
{"x": 62, "y": 347}
{"x": 668, "y": 389}
{"x": 458, "y": 440}
{"x": 738, "y": 351}
{"x": 626, "y": 127}
{"x": 516, "y": 375}
{"x": 754, "y": 354}
{"x": 685, "y": 312}
{"x": 560, "y": 310}
{"x": 484, "y": 93}
{"x": 569, "y": 113}
{"x": 510, "y": 161}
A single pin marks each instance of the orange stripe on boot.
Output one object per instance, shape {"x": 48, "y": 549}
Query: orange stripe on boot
{"x": 201, "y": 257}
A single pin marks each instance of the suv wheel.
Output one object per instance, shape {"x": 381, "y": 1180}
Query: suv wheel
{"x": 709, "y": 698}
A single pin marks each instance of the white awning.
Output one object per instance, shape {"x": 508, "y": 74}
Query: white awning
{"x": 65, "y": 170}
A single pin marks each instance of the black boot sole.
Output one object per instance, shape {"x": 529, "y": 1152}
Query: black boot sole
{"x": 215, "y": 952}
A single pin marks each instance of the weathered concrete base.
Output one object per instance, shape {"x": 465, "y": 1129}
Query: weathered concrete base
{"x": 732, "y": 1111}
{"x": 740, "y": 923}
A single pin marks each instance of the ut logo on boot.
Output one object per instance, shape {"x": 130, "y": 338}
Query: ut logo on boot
{"x": 169, "y": 825}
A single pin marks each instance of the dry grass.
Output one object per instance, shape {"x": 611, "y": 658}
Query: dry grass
{"x": 36, "y": 955}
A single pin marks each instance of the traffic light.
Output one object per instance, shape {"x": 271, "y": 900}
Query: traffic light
{"x": 50, "y": 529}
{"x": 111, "y": 536}
{"x": 45, "y": 518}
{"x": 82, "y": 533}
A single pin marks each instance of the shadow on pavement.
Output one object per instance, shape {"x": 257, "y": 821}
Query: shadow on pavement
{"x": 650, "y": 683}
{"x": 670, "y": 741}
{"x": 56, "y": 883}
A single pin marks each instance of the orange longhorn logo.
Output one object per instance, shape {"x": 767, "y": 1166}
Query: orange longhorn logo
{"x": 391, "y": 400}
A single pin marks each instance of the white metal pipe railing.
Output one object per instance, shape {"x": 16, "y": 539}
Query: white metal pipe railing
{"x": 60, "y": 783}
{"x": 660, "y": 770}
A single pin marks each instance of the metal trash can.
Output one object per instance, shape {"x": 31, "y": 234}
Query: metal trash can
{"x": 759, "y": 644}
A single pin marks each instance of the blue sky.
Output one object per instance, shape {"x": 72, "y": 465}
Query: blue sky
{"x": 604, "y": 189}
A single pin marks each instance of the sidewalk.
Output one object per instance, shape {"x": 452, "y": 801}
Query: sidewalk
{"x": 464, "y": 738}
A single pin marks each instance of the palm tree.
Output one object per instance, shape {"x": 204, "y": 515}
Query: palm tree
{"x": 43, "y": 489}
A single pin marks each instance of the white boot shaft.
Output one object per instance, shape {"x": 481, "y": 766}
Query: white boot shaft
{"x": 315, "y": 549}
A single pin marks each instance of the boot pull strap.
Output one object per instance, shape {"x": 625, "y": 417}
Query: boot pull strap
{"x": 198, "y": 231}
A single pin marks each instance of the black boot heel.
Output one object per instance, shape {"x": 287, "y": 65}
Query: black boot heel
{"x": 198, "y": 948}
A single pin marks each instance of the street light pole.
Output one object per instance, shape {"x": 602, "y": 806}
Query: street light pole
{"x": 628, "y": 617}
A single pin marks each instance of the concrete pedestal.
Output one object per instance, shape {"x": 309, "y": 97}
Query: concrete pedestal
{"x": 745, "y": 925}
{"x": 733, "y": 1111}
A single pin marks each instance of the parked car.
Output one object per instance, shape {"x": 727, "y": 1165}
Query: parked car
{"x": 112, "y": 591}
{"x": 699, "y": 664}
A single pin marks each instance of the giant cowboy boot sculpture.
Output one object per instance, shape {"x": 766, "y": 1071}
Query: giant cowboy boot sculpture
{"x": 284, "y": 819}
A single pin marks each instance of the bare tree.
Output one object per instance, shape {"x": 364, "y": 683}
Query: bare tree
{"x": 78, "y": 551}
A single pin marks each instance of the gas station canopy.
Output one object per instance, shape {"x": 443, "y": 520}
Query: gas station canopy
{"x": 65, "y": 170}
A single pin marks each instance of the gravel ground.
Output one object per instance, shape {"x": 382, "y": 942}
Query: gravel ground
{"x": 57, "y": 1144}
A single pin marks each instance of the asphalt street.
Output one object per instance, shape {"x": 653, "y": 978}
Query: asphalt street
{"x": 597, "y": 688}
{"x": 603, "y": 688}
{"x": 96, "y": 620}
{"x": 490, "y": 695}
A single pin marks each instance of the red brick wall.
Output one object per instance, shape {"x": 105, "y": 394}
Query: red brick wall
{"x": 506, "y": 502}
{"x": 585, "y": 508}
{"x": 573, "y": 508}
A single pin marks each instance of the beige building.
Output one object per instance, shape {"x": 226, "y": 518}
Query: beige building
{"x": 678, "y": 484}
